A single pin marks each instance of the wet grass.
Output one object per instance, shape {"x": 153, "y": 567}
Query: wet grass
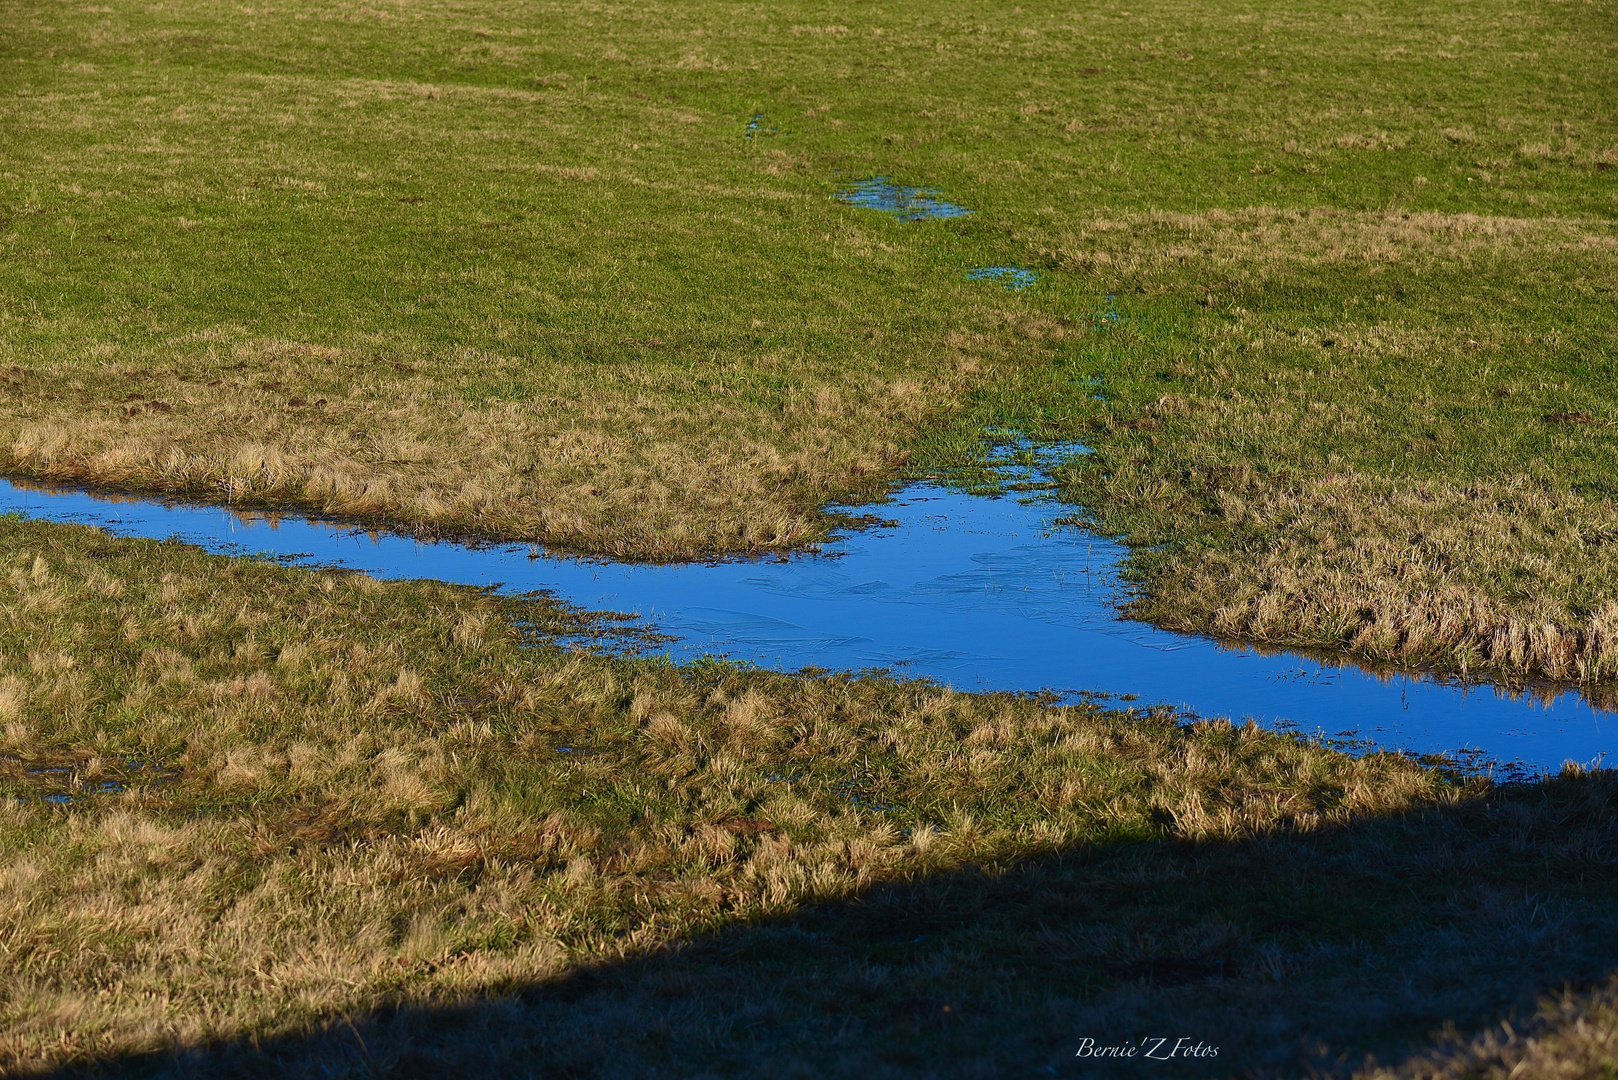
{"x": 360, "y": 827}
{"x": 1388, "y": 434}
{"x": 534, "y": 271}
{"x": 1327, "y": 288}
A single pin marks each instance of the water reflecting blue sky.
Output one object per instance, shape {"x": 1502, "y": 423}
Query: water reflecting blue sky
{"x": 905, "y": 203}
{"x": 973, "y": 591}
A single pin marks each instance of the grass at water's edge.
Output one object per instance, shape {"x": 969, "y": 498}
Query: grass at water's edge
{"x": 1298, "y": 461}
{"x": 1328, "y": 289}
{"x": 298, "y": 822}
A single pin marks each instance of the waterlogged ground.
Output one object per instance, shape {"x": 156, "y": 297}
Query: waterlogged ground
{"x": 1012, "y": 277}
{"x": 980, "y": 593}
{"x": 1324, "y": 295}
{"x": 902, "y": 202}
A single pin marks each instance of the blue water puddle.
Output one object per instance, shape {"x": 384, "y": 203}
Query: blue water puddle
{"x": 904, "y": 203}
{"x": 63, "y": 798}
{"x": 977, "y": 592}
{"x": 756, "y": 126}
{"x": 1013, "y": 277}
{"x": 1109, "y": 319}
{"x": 78, "y": 790}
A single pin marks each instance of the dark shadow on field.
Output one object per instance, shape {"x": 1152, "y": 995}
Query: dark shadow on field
{"x": 1291, "y": 954}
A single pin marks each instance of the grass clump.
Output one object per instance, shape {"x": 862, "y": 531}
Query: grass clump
{"x": 268, "y": 820}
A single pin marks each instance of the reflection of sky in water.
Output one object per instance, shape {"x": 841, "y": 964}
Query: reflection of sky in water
{"x": 1014, "y": 277}
{"x": 973, "y": 591}
{"x": 904, "y": 203}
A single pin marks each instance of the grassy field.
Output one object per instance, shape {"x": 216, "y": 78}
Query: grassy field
{"x": 262, "y": 821}
{"x": 1328, "y": 288}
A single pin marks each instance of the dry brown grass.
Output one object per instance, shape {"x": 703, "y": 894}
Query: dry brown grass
{"x": 1572, "y": 1036}
{"x": 653, "y": 461}
{"x": 341, "y": 795}
{"x": 1476, "y": 579}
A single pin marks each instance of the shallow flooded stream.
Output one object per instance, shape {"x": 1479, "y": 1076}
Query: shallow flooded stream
{"x": 976, "y": 592}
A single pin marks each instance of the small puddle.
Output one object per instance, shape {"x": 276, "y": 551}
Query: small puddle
{"x": 1013, "y": 277}
{"x": 977, "y": 592}
{"x": 63, "y": 785}
{"x": 904, "y": 203}
{"x": 63, "y": 798}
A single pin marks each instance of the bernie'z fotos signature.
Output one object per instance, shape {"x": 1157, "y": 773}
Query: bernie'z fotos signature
{"x": 1151, "y": 1048}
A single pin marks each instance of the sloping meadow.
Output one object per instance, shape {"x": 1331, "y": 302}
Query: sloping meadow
{"x": 1327, "y": 290}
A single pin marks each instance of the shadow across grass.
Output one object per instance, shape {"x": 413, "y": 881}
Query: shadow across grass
{"x": 1290, "y": 953}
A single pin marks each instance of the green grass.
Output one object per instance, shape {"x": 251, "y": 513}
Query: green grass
{"x": 361, "y": 827}
{"x": 522, "y": 271}
{"x": 1327, "y": 288}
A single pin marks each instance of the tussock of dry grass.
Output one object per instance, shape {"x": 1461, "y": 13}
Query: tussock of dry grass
{"x": 1480, "y": 578}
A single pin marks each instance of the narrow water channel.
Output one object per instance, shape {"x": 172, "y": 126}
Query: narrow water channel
{"x": 980, "y": 593}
